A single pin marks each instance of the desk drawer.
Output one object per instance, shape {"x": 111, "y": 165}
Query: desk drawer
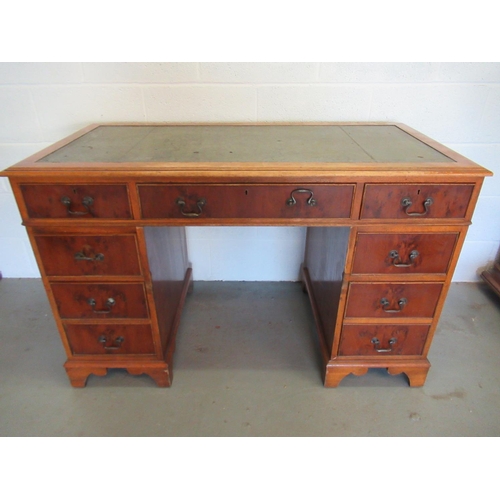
{"x": 100, "y": 300}
{"x": 383, "y": 340}
{"x": 78, "y": 201}
{"x": 392, "y": 300}
{"x": 415, "y": 202}
{"x": 403, "y": 253}
{"x": 89, "y": 255}
{"x": 246, "y": 201}
{"x": 110, "y": 339}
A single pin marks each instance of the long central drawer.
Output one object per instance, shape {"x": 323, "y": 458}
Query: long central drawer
{"x": 245, "y": 201}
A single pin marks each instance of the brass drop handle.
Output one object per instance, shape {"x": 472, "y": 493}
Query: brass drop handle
{"x": 200, "y": 204}
{"x": 87, "y": 202}
{"x": 109, "y": 303}
{"x": 117, "y": 343}
{"x": 385, "y": 304}
{"x": 95, "y": 258}
{"x": 376, "y": 343}
{"x": 311, "y": 201}
{"x": 396, "y": 260}
{"x": 407, "y": 203}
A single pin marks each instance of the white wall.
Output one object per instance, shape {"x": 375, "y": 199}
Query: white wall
{"x": 457, "y": 104}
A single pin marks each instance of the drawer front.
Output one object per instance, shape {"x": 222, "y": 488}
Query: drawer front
{"x": 415, "y": 202}
{"x": 100, "y": 301}
{"x": 246, "y": 201}
{"x": 89, "y": 255}
{"x": 383, "y": 340}
{"x": 392, "y": 300}
{"x": 77, "y": 201}
{"x": 110, "y": 339}
{"x": 403, "y": 253}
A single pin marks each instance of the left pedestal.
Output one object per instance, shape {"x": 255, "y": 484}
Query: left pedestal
{"x": 117, "y": 295}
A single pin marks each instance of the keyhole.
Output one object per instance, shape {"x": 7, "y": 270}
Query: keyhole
{"x": 246, "y": 191}
{"x": 418, "y": 192}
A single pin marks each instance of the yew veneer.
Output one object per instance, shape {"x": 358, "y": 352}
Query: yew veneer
{"x": 387, "y": 211}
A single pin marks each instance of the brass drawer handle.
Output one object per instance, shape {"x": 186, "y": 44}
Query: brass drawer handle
{"x": 87, "y": 202}
{"x": 376, "y": 343}
{"x": 396, "y": 261}
{"x": 200, "y": 204}
{"x": 407, "y": 203}
{"x": 311, "y": 201}
{"x": 109, "y": 303}
{"x": 117, "y": 343}
{"x": 401, "y": 303}
{"x": 95, "y": 258}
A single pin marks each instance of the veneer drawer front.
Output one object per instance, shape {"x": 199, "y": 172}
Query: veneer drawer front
{"x": 100, "y": 300}
{"x": 78, "y": 201}
{"x": 246, "y": 201}
{"x": 89, "y": 255}
{"x": 383, "y": 340}
{"x": 392, "y": 300}
{"x": 403, "y": 253}
{"x": 110, "y": 339}
{"x": 415, "y": 202}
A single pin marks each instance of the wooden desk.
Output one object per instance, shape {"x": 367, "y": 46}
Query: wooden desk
{"x": 387, "y": 210}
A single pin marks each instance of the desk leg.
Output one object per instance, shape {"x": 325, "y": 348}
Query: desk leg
{"x": 79, "y": 371}
{"x": 336, "y": 373}
{"x": 78, "y": 375}
{"x": 415, "y": 370}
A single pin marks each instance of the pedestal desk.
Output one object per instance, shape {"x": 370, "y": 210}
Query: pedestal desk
{"x": 387, "y": 210}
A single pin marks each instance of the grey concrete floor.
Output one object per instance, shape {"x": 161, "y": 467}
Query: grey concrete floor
{"x": 247, "y": 364}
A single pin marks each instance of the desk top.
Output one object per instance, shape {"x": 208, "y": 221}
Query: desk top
{"x": 323, "y": 147}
